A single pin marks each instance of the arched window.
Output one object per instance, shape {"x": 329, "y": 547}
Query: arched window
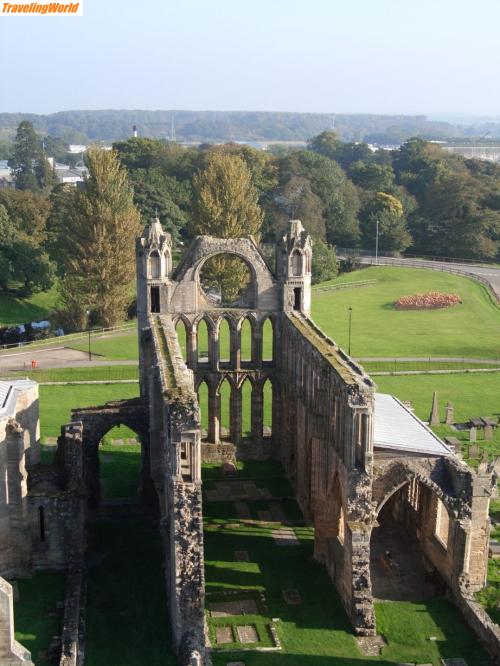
{"x": 225, "y": 409}
{"x": 267, "y": 341}
{"x": 246, "y": 408}
{"x": 204, "y": 413}
{"x": 296, "y": 263}
{"x": 267, "y": 408}
{"x": 246, "y": 341}
{"x": 202, "y": 342}
{"x": 224, "y": 341}
{"x": 154, "y": 263}
{"x": 182, "y": 337}
{"x": 41, "y": 522}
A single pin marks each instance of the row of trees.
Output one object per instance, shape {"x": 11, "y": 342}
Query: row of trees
{"x": 420, "y": 196}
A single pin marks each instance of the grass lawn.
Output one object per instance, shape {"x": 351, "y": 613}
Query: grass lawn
{"x": 16, "y": 310}
{"x": 317, "y": 632}
{"x": 119, "y": 466}
{"x": 378, "y": 329}
{"x": 470, "y": 394}
{"x": 127, "y": 617}
{"x": 34, "y": 626}
{"x": 56, "y": 402}
{"x": 89, "y": 374}
{"x": 120, "y": 347}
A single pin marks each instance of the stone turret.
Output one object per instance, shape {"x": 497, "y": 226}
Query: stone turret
{"x": 293, "y": 267}
{"x": 154, "y": 265}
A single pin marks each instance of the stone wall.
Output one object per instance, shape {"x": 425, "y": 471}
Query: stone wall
{"x": 73, "y": 634}
{"x": 11, "y": 652}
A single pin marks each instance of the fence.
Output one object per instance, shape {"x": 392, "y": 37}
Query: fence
{"x": 62, "y": 340}
{"x": 103, "y": 373}
{"x": 429, "y": 365}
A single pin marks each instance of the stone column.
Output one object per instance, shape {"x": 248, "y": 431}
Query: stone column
{"x": 213, "y": 415}
{"x": 257, "y": 412}
{"x": 11, "y": 652}
{"x": 192, "y": 347}
{"x": 235, "y": 415}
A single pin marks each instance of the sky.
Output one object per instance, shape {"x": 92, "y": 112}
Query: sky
{"x": 349, "y": 56}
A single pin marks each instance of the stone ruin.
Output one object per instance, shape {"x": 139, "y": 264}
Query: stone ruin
{"x": 360, "y": 462}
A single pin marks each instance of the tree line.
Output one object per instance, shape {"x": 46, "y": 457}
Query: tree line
{"x": 423, "y": 200}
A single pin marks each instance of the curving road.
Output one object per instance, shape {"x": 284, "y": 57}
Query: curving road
{"x": 484, "y": 274}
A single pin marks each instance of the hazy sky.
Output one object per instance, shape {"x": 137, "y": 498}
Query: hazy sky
{"x": 379, "y": 56}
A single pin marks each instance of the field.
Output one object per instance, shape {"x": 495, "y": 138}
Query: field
{"x": 117, "y": 347}
{"x": 56, "y": 402}
{"x": 471, "y": 329}
{"x": 16, "y": 310}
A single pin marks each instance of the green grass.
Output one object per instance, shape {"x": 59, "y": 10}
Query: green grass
{"x": 56, "y": 402}
{"x": 127, "y": 608}
{"x": 35, "y": 623}
{"x": 378, "y": 329}
{"x": 317, "y": 633}
{"x": 119, "y": 467}
{"x": 471, "y": 394}
{"x": 90, "y": 374}
{"x": 122, "y": 347}
{"x": 422, "y": 366}
{"x": 17, "y": 310}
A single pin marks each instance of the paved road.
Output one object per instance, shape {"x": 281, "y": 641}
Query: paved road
{"x": 55, "y": 357}
{"x": 483, "y": 273}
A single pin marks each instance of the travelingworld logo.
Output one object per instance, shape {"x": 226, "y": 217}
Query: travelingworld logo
{"x": 24, "y": 8}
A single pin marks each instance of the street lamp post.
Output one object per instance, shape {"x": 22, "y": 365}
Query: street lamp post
{"x": 350, "y": 328}
{"x": 88, "y": 326}
{"x": 376, "y": 245}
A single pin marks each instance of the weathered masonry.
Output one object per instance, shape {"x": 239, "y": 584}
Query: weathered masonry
{"x": 361, "y": 463}
{"x": 235, "y": 368}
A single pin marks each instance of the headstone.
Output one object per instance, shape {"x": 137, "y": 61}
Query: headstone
{"x": 434, "y": 417}
{"x": 474, "y": 451}
{"x": 494, "y": 549}
{"x": 488, "y": 432}
{"x": 473, "y": 434}
{"x": 457, "y": 661}
{"x": 292, "y": 597}
{"x": 228, "y": 469}
{"x": 241, "y": 556}
{"x": 449, "y": 417}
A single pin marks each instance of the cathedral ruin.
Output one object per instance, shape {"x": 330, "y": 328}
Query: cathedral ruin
{"x": 360, "y": 462}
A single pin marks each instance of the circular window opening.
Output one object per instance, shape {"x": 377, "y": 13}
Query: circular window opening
{"x": 226, "y": 281}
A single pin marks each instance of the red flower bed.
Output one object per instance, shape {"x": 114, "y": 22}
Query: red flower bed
{"x": 429, "y": 301}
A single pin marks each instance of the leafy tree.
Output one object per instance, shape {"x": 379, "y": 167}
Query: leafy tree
{"x": 388, "y": 211}
{"x": 225, "y": 200}
{"x": 28, "y": 163}
{"x": 372, "y": 176}
{"x": 324, "y": 262}
{"x": 296, "y": 200}
{"x": 99, "y": 268}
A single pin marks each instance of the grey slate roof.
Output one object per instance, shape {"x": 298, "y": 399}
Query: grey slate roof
{"x": 397, "y": 427}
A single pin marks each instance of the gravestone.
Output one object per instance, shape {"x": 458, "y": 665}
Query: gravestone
{"x": 241, "y": 556}
{"x": 247, "y": 633}
{"x": 488, "y": 432}
{"x": 434, "y": 417}
{"x": 473, "y": 434}
{"x": 449, "y": 417}
{"x": 292, "y": 597}
{"x": 224, "y": 635}
{"x": 474, "y": 451}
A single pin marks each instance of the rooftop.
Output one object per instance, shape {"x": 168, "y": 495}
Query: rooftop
{"x": 8, "y": 398}
{"x": 397, "y": 427}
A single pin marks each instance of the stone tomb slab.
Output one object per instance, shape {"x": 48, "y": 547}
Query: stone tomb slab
{"x": 224, "y": 635}
{"x": 285, "y": 536}
{"x": 235, "y": 663}
{"x": 264, "y": 516}
{"x": 371, "y": 646}
{"x": 242, "y": 510}
{"x": 247, "y": 633}
{"x": 456, "y": 661}
{"x": 241, "y": 556}
{"x": 233, "y": 607}
{"x": 292, "y": 597}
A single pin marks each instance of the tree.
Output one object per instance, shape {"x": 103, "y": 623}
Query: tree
{"x": 296, "y": 200}
{"x": 388, "y": 211}
{"x": 99, "y": 264}
{"x": 28, "y": 163}
{"x": 324, "y": 262}
{"x": 372, "y": 176}
{"x": 225, "y": 201}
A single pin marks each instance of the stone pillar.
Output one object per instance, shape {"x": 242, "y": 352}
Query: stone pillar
{"x": 213, "y": 348}
{"x": 191, "y": 344}
{"x": 434, "y": 417}
{"x": 11, "y": 652}
{"x": 257, "y": 412}
{"x": 18, "y": 498}
{"x": 235, "y": 415}
{"x": 234, "y": 345}
{"x": 257, "y": 346}
{"x": 213, "y": 415}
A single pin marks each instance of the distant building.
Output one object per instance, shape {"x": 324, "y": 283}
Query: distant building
{"x": 6, "y": 178}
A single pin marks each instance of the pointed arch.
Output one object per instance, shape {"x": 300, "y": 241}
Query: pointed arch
{"x": 225, "y": 340}
{"x": 246, "y": 340}
{"x": 297, "y": 261}
{"x": 246, "y": 408}
{"x": 267, "y": 408}
{"x": 154, "y": 265}
{"x": 183, "y": 337}
{"x": 268, "y": 339}
{"x": 203, "y": 401}
{"x": 203, "y": 341}
{"x": 225, "y": 392}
